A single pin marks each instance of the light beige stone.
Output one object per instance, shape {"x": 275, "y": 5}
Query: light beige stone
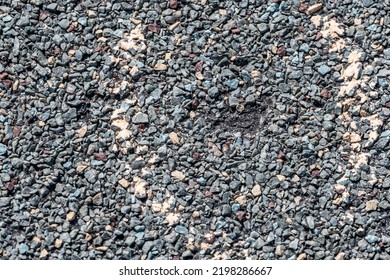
{"x": 314, "y": 8}
{"x": 173, "y": 26}
{"x": 256, "y": 190}
{"x": 295, "y": 178}
{"x": 241, "y": 199}
{"x": 172, "y": 218}
{"x": 135, "y": 21}
{"x": 178, "y": 175}
{"x": 174, "y": 138}
{"x": 15, "y": 85}
{"x": 331, "y": 29}
{"x": 156, "y": 207}
{"x": 355, "y": 138}
{"x": 124, "y": 183}
{"x": 214, "y": 148}
{"x": 255, "y": 74}
{"x": 139, "y": 186}
{"x": 91, "y": 14}
{"x": 199, "y": 76}
{"x": 102, "y": 248}
{"x": 134, "y": 40}
{"x": 58, "y": 243}
{"x": 35, "y": 211}
{"x": 82, "y": 131}
{"x": 160, "y": 67}
{"x": 337, "y": 201}
{"x": 372, "y": 205}
{"x": 43, "y": 254}
{"x": 36, "y": 239}
{"x": 281, "y": 178}
{"x": 71, "y": 216}
{"x": 340, "y": 256}
{"x": 120, "y": 124}
{"x": 316, "y": 20}
{"x": 195, "y": 214}
{"x": 81, "y": 167}
{"x": 279, "y": 250}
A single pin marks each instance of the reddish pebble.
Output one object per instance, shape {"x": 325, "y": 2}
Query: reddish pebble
{"x": 210, "y": 238}
{"x": 281, "y": 51}
{"x": 15, "y": 180}
{"x": 154, "y": 28}
{"x": 196, "y": 156}
{"x": 240, "y": 215}
{"x": 43, "y": 16}
{"x": 9, "y": 186}
{"x": 141, "y": 127}
{"x": 173, "y": 4}
{"x": 100, "y": 156}
{"x": 302, "y": 8}
{"x": 57, "y": 50}
{"x": 281, "y": 155}
{"x": 325, "y": 93}
{"x": 3, "y": 75}
{"x": 271, "y": 204}
{"x": 225, "y": 148}
{"x": 16, "y": 131}
{"x": 70, "y": 28}
{"x": 315, "y": 173}
{"x": 199, "y": 66}
{"x": 195, "y": 103}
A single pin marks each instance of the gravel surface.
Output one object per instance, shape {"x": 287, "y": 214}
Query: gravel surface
{"x": 194, "y": 129}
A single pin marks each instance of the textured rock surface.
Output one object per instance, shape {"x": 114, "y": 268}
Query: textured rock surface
{"x": 194, "y": 130}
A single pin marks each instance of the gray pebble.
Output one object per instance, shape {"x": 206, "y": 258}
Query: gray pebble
{"x": 386, "y": 183}
{"x": 83, "y": 21}
{"x": 23, "y": 248}
{"x": 5, "y": 201}
{"x": 294, "y": 244}
{"x": 310, "y": 222}
{"x": 263, "y": 27}
{"x": 213, "y": 92}
{"x": 323, "y": 69}
{"x": 3, "y": 149}
{"x": 148, "y": 245}
{"x": 91, "y": 176}
{"x": 64, "y": 23}
{"x": 140, "y": 118}
{"x": 372, "y": 239}
{"x": 23, "y": 22}
{"x": 367, "y": 3}
{"x": 181, "y": 229}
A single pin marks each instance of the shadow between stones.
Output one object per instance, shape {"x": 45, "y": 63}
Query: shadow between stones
{"x": 249, "y": 122}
